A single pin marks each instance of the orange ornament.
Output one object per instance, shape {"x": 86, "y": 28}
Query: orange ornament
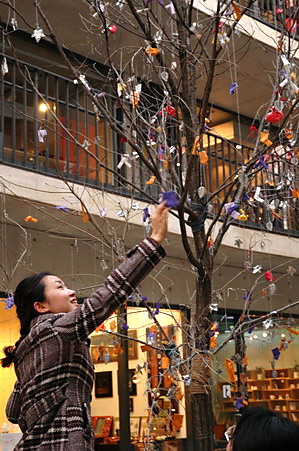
{"x": 152, "y": 51}
{"x": 203, "y": 157}
{"x": 30, "y": 219}
{"x": 264, "y": 138}
{"x": 230, "y": 370}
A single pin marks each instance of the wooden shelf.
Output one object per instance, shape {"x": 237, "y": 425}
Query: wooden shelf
{"x": 283, "y": 385}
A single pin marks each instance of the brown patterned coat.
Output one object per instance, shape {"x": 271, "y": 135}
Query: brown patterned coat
{"x": 51, "y": 398}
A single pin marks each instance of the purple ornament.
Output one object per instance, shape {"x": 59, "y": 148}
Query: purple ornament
{"x": 261, "y": 162}
{"x": 232, "y": 88}
{"x": 161, "y": 2}
{"x": 276, "y": 353}
{"x": 9, "y": 303}
{"x": 157, "y": 308}
{"x": 125, "y": 326}
{"x": 171, "y": 198}
{"x": 146, "y": 214}
{"x": 62, "y": 208}
{"x": 239, "y": 403}
{"x": 247, "y": 296}
{"x": 232, "y": 208}
{"x": 161, "y": 151}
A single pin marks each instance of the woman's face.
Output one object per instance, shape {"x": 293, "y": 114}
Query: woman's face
{"x": 58, "y": 298}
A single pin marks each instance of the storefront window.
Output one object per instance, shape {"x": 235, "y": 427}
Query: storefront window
{"x": 157, "y": 404}
{"x": 272, "y": 371}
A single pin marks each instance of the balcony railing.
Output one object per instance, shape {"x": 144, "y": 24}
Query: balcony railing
{"x": 280, "y": 14}
{"x": 35, "y": 141}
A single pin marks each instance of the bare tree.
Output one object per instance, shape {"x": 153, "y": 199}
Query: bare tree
{"x": 161, "y": 80}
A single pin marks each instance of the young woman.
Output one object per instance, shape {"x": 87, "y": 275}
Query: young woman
{"x": 261, "y": 429}
{"x": 51, "y": 398}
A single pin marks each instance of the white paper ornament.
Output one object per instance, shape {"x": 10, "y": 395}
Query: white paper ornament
{"x": 201, "y": 191}
{"x": 272, "y": 289}
{"x": 187, "y": 379}
{"x": 14, "y": 24}
{"x": 38, "y": 33}
{"x": 106, "y": 358}
{"x": 104, "y": 264}
{"x": 164, "y": 75}
{"x": 136, "y": 379}
{"x": 256, "y": 269}
{"x": 4, "y": 66}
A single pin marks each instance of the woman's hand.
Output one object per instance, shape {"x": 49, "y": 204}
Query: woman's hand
{"x": 159, "y": 223}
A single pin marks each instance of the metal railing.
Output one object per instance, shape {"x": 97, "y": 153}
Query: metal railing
{"x": 281, "y": 15}
{"x": 34, "y": 140}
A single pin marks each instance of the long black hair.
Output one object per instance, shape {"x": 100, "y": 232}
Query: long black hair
{"x": 28, "y": 291}
{"x": 262, "y": 429}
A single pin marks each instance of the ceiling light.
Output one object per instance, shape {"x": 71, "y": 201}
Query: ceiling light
{"x": 42, "y": 107}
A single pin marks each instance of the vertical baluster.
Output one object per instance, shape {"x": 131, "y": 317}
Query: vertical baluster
{"x": 25, "y": 122}
{"x": 77, "y": 156}
{"x": 210, "y": 166}
{"x": 13, "y": 118}
{"x": 96, "y": 148}
{"x": 46, "y": 122}
{"x": 2, "y": 112}
{"x": 56, "y": 125}
{"x": 67, "y": 126}
{"x": 86, "y": 137}
{"x": 223, "y": 144}
{"x": 105, "y": 177}
{"x": 36, "y": 122}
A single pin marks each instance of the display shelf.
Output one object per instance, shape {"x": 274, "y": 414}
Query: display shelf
{"x": 280, "y": 393}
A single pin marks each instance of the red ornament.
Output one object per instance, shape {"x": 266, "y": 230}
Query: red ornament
{"x": 290, "y": 25}
{"x": 266, "y": 157}
{"x": 170, "y": 110}
{"x": 112, "y": 28}
{"x": 274, "y": 115}
{"x": 269, "y": 276}
{"x": 252, "y": 130}
{"x": 122, "y": 140}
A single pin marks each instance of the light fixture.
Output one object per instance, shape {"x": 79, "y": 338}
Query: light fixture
{"x": 238, "y": 147}
{"x": 255, "y": 337}
{"x": 42, "y": 107}
{"x": 265, "y": 334}
{"x": 283, "y": 335}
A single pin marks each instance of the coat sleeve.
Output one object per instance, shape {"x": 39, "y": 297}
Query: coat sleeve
{"x": 79, "y": 323}
{"x": 13, "y": 406}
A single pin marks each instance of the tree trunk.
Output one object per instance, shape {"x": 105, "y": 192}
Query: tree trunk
{"x": 201, "y": 386}
{"x": 202, "y": 422}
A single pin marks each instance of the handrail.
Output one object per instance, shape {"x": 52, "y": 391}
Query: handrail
{"x": 58, "y": 155}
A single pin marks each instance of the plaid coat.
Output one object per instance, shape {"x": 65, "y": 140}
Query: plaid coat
{"x": 51, "y": 398}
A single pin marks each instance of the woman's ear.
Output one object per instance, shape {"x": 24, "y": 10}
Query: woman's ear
{"x": 41, "y": 307}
